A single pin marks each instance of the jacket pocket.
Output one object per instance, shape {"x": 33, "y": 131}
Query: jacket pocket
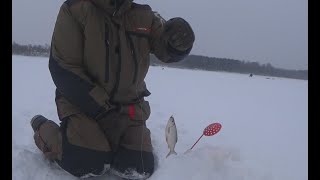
{"x": 139, "y": 111}
{"x": 65, "y": 108}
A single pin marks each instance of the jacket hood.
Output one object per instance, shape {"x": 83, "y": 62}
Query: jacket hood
{"x": 109, "y": 6}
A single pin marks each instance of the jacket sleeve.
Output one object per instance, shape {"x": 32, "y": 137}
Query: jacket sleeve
{"x": 159, "y": 47}
{"x": 66, "y": 67}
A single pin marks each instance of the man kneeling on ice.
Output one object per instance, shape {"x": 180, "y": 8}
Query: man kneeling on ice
{"x": 99, "y": 59}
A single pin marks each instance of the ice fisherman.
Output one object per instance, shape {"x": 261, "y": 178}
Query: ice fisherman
{"x": 98, "y": 61}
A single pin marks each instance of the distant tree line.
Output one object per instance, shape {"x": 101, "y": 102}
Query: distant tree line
{"x": 30, "y": 50}
{"x": 190, "y": 62}
{"x": 231, "y": 65}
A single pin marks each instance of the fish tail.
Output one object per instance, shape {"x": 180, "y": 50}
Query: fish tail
{"x": 171, "y": 152}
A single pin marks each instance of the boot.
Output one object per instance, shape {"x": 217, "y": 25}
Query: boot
{"x": 47, "y": 137}
{"x": 37, "y": 121}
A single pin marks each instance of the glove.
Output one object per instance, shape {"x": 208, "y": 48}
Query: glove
{"x": 179, "y": 34}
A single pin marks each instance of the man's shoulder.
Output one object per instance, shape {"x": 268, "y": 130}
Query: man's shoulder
{"x": 78, "y": 8}
{"x": 141, "y": 6}
{"x": 71, "y": 2}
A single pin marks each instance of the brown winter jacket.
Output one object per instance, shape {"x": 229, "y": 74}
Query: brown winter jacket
{"x": 100, "y": 55}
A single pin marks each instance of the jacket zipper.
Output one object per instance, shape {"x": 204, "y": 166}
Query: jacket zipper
{"x": 106, "y": 41}
{"x": 134, "y": 55}
{"x": 116, "y": 86}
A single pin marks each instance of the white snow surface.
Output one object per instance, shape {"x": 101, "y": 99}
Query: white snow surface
{"x": 264, "y": 124}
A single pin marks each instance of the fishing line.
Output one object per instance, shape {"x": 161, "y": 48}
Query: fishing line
{"x": 142, "y": 133}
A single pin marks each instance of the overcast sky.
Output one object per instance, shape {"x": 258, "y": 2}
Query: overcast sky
{"x": 264, "y": 31}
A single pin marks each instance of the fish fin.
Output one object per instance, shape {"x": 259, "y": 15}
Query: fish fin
{"x": 174, "y": 152}
{"x": 171, "y": 152}
{"x": 168, "y": 154}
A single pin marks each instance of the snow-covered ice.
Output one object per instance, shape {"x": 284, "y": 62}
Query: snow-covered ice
{"x": 263, "y": 136}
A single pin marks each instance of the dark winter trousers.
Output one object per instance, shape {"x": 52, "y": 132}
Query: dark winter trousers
{"x": 81, "y": 148}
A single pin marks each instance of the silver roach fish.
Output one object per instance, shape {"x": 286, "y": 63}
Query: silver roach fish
{"x": 171, "y": 136}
